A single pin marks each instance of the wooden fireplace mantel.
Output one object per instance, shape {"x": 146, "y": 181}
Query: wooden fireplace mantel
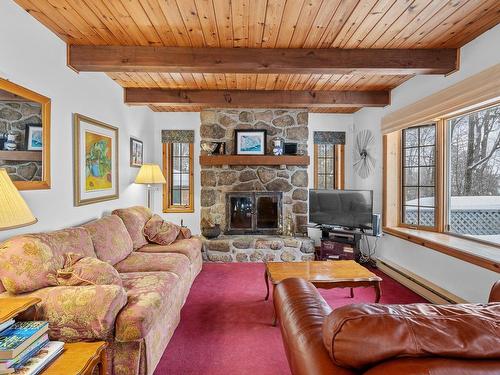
{"x": 254, "y": 160}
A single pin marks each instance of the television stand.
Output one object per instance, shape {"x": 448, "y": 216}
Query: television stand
{"x": 340, "y": 244}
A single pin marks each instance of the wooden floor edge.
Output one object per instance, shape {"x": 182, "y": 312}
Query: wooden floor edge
{"x": 417, "y": 284}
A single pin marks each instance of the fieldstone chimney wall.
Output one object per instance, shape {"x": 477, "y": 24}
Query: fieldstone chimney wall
{"x": 218, "y": 125}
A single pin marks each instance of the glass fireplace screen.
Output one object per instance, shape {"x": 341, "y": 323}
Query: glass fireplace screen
{"x": 249, "y": 212}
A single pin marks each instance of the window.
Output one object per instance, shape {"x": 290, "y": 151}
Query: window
{"x": 419, "y": 176}
{"x": 449, "y": 176}
{"x": 328, "y": 166}
{"x": 178, "y": 167}
{"x": 473, "y": 194}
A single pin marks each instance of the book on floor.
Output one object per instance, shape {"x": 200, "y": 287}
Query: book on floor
{"x": 39, "y": 361}
{"x": 19, "y": 336}
{"x": 25, "y": 355}
{"x": 7, "y": 324}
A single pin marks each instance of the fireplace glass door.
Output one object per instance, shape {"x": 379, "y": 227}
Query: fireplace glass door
{"x": 253, "y": 213}
{"x": 241, "y": 213}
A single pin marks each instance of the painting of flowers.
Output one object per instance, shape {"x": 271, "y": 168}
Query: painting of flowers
{"x": 95, "y": 161}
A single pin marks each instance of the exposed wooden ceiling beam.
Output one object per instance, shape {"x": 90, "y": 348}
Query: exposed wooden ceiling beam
{"x": 256, "y": 98}
{"x": 85, "y": 58}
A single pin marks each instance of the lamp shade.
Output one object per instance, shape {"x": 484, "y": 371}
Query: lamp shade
{"x": 14, "y": 212}
{"x": 150, "y": 174}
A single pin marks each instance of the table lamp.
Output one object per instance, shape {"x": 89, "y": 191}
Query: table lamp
{"x": 14, "y": 212}
{"x": 150, "y": 174}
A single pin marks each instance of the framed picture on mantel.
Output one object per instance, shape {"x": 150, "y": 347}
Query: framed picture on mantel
{"x": 250, "y": 142}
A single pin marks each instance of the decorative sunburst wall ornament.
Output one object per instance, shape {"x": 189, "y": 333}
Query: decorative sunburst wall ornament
{"x": 364, "y": 162}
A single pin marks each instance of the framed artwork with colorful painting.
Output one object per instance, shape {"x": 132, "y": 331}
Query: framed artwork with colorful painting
{"x": 136, "y": 152}
{"x": 95, "y": 151}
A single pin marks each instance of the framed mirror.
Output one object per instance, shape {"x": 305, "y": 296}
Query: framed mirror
{"x": 25, "y": 136}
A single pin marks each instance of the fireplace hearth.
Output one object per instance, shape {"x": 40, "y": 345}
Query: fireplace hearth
{"x": 254, "y": 212}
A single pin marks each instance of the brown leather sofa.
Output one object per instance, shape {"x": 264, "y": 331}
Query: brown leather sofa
{"x": 376, "y": 339}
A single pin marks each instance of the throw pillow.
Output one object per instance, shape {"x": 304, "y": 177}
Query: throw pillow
{"x": 160, "y": 231}
{"x": 80, "y": 270}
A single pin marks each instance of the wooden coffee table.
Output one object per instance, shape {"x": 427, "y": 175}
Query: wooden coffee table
{"x": 324, "y": 274}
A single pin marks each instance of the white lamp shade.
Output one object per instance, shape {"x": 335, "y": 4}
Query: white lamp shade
{"x": 150, "y": 174}
{"x": 14, "y": 212}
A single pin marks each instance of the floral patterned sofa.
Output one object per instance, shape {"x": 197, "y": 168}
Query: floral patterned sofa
{"x": 136, "y": 295}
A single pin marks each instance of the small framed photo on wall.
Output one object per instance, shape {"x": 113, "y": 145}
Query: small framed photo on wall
{"x": 34, "y": 137}
{"x": 136, "y": 152}
{"x": 250, "y": 142}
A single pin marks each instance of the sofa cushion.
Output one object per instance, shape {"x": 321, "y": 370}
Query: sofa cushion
{"x": 190, "y": 248}
{"x": 145, "y": 262}
{"x": 160, "y": 231}
{"x": 134, "y": 219}
{"x": 70, "y": 240}
{"x": 30, "y": 262}
{"x": 78, "y": 313}
{"x": 79, "y": 270}
{"x": 149, "y": 296}
{"x": 469, "y": 331}
{"x": 27, "y": 264}
{"x": 110, "y": 237}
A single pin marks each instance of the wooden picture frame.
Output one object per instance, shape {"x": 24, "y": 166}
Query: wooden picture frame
{"x": 95, "y": 152}
{"x": 136, "y": 152}
{"x": 258, "y": 135}
{"x": 12, "y": 91}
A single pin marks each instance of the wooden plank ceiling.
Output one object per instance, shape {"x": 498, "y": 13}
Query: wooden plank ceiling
{"x": 392, "y": 24}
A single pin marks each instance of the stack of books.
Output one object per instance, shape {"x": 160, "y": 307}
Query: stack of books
{"x": 25, "y": 347}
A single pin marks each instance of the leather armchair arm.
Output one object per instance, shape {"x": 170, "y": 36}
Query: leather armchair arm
{"x": 301, "y": 311}
{"x": 78, "y": 313}
{"x": 495, "y": 292}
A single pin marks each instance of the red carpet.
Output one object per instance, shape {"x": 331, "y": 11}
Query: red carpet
{"x": 226, "y": 326}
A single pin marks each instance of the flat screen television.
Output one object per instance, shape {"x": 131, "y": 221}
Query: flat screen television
{"x": 341, "y": 208}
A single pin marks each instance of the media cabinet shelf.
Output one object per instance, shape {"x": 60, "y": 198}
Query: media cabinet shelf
{"x": 254, "y": 160}
{"x": 21, "y": 155}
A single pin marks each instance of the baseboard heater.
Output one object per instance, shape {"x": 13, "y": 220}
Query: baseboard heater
{"x": 419, "y": 285}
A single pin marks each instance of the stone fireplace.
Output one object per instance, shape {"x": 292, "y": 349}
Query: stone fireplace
{"x": 252, "y": 203}
{"x": 218, "y": 125}
{"x": 253, "y": 213}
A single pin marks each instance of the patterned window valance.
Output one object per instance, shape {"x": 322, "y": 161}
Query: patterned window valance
{"x": 177, "y": 136}
{"x": 336, "y": 138}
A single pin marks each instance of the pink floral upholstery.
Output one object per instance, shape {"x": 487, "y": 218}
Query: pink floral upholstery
{"x": 184, "y": 233}
{"x": 134, "y": 219}
{"x": 137, "y": 318}
{"x": 78, "y": 313}
{"x": 27, "y": 263}
{"x": 111, "y": 239}
{"x": 150, "y": 295}
{"x": 71, "y": 240}
{"x": 160, "y": 231}
{"x": 190, "y": 248}
{"x": 80, "y": 270}
{"x": 30, "y": 262}
{"x": 144, "y": 262}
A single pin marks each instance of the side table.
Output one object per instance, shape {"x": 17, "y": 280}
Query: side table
{"x": 79, "y": 358}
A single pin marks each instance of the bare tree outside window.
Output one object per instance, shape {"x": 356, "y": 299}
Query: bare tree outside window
{"x": 474, "y": 174}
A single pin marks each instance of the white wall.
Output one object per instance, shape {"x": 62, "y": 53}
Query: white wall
{"x": 34, "y": 57}
{"x": 461, "y": 278}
